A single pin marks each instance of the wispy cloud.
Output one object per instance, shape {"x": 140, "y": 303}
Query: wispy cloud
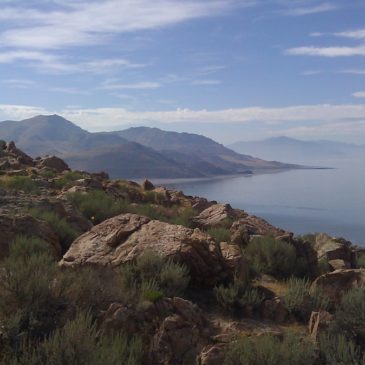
{"x": 359, "y": 94}
{"x": 206, "y": 82}
{"x": 355, "y": 34}
{"x": 142, "y": 85}
{"x": 327, "y": 51}
{"x": 19, "y": 83}
{"x": 310, "y": 10}
{"x": 311, "y": 72}
{"x": 70, "y": 90}
{"x": 95, "y": 118}
{"x": 94, "y": 22}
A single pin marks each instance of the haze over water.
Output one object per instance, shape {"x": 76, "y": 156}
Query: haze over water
{"x": 301, "y": 201}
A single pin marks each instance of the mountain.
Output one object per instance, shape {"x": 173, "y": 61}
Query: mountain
{"x": 299, "y": 151}
{"x": 133, "y": 153}
{"x": 196, "y": 151}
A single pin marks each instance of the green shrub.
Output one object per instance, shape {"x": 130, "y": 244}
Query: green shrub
{"x": 238, "y": 296}
{"x": 67, "y": 178}
{"x": 183, "y": 217}
{"x": 150, "y": 273}
{"x": 80, "y": 343}
{"x": 323, "y": 266}
{"x": 336, "y": 349}
{"x": 350, "y": 315}
{"x": 23, "y": 183}
{"x": 220, "y": 234}
{"x": 26, "y": 297}
{"x": 47, "y": 174}
{"x": 154, "y": 197}
{"x": 270, "y": 350}
{"x": 301, "y": 300}
{"x": 360, "y": 261}
{"x": 96, "y": 205}
{"x": 66, "y": 234}
{"x": 91, "y": 288}
{"x": 269, "y": 256}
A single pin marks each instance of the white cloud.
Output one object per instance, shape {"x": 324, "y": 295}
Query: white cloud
{"x": 315, "y": 9}
{"x": 311, "y": 72}
{"x": 359, "y": 94}
{"x": 206, "y": 82}
{"x": 327, "y": 51}
{"x": 99, "y": 119}
{"x": 69, "y": 90}
{"x": 143, "y": 85}
{"x": 353, "y": 72}
{"x": 19, "y": 83}
{"x": 355, "y": 34}
{"x": 95, "y": 22}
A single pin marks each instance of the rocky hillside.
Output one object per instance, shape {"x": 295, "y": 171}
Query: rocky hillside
{"x": 134, "y": 153}
{"x": 100, "y": 271}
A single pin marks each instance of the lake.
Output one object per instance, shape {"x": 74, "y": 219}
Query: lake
{"x": 301, "y": 201}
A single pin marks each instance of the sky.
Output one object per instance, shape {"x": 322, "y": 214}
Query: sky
{"x": 229, "y": 69}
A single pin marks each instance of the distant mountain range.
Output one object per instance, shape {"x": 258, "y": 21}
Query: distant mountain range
{"x": 299, "y": 151}
{"x": 132, "y": 153}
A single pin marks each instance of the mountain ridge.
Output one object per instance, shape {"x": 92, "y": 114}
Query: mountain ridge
{"x": 133, "y": 153}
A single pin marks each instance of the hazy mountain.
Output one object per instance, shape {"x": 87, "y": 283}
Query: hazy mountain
{"x": 195, "y": 151}
{"x": 298, "y": 151}
{"x": 133, "y": 153}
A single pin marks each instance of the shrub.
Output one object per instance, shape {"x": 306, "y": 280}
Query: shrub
{"x": 238, "y": 296}
{"x": 154, "y": 197}
{"x": 96, "y": 205}
{"x": 67, "y": 178}
{"x": 336, "y": 349}
{"x": 269, "y": 350}
{"x": 24, "y": 183}
{"x": 60, "y": 226}
{"x": 220, "y": 234}
{"x": 269, "y": 256}
{"x": 350, "y": 316}
{"x": 26, "y": 297}
{"x": 360, "y": 261}
{"x": 80, "y": 343}
{"x": 301, "y": 300}
{"x": 47, "y": 174}
{"x": 150, "y": 273}
{"x": 323, "y": 266}
{"x": 91, "y": 288}
{"x": 183, "y": 217}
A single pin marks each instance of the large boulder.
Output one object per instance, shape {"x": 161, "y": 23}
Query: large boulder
{"x": 337, "y": 283}
{"x": 123, "y": 238}
{"x": 26, "y": 225}
{"x": 336, "y": 251}
{"x": 216, "y": 215}
{"x": 19, "y": 155}
{"x": 53, "y": 163}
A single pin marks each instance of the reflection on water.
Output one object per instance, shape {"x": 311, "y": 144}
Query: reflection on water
{"x": 302, "y": 201}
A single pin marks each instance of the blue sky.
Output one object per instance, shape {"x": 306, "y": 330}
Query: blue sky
{"x": 229, "y": 69}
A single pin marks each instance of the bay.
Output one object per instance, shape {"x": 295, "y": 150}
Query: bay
{"x": 301, "y": 201}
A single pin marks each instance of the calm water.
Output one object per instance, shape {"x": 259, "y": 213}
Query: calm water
{"x": 301, "y": 201}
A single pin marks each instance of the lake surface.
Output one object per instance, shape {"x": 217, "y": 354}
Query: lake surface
{"x": 301, "y": 201}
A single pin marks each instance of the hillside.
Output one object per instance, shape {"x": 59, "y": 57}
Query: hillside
{"x": 98, "y": 271}
{"x": 300, "y": 151}
{"x": 196, "y": 150}
{"x": 133, "y": 153}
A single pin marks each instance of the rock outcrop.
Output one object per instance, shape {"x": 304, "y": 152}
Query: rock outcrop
{"x": 53, "y": 163}
{"x": 123, "y": 238}
{"x": 336, "y": 251}
{"x": 337, "y": 283}
{"x": 216, "y": 215}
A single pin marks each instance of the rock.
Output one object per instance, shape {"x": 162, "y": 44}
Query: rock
{"x": 86, "y": 183}
{"x": 232, "y": 255}
{"x": 181, "y": 336}
{"x": 26, "y": 225}
{"x": 274, "y": 310}
{"x": 337, "y": 283}
{"x": 147, "y": 185}
{"x": 125, "y": 237}
{"x": 215, "y": 216}
{"x": 250, "y": 225}
{"x": 100, "y": 176}
{"x": 318, "y": 323}
{"x": 336, "y": 251}
{"x": 20, "y": 156}
{"x": 53, "y": 163}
